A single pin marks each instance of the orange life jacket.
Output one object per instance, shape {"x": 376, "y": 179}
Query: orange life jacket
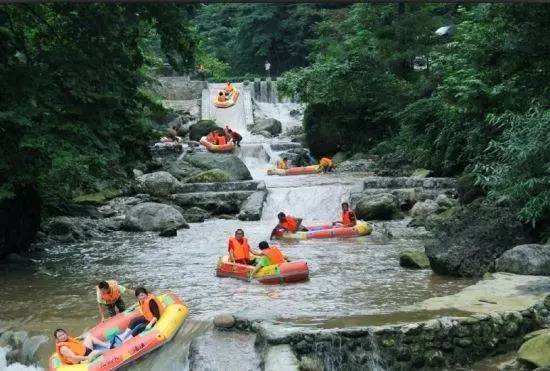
{"x": 282, "y": 165}
{"x": 325, "y": 162}
{"x": 75, "y": 346}
{"x": 241, "y": 250}
{"x": 221, "y": 98}
{"x": 348, "y": 218}
{"x": 229, "y": 88}
{"x": 221, "y": 140}
{"x": 146, "y": 311}
{"x": 111, "y": 296}
{"x": 290, "y": 224}
{"x": 274, "y": 255}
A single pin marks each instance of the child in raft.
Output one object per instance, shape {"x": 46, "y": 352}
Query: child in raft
{"x": 269, "y": 255}
{"x": 348, "y": 217}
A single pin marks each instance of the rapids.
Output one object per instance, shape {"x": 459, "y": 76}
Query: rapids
{"x": 348, "y": 277}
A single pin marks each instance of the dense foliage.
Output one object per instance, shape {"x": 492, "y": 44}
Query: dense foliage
{"x": 246, "y": 35}
{"x": 476, "y": 95}
{"x": 74, "y": 105}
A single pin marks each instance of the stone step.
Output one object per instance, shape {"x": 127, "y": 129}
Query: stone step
{"x": 408, "y": 182}
{"x": 213, "y": 202}
{"x": 282, "y": 146}
{"x": 245, "y": 185}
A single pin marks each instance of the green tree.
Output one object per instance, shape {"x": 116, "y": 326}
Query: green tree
{"x": 74, "y": 108}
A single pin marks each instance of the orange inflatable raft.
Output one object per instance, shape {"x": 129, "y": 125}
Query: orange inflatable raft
{"x": 289, "y": 272}
{"x": 229, "y": 102}
{"x": 327, "y": 231}
{"x": 229, "y": 147}
{"x": 295, "y": 170}
{"x": 166, "y": 327}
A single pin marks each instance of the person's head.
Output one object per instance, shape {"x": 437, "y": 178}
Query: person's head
{"x": 175, "y": 127}
{"x": 220, "y": 93}
{"x": 281, "y": 217}
{"x": 239, "y": 234}
{"x": 60, "y": 335}
{"x": 345, "y": 206}
{"x": 141, "y": 293}
{"x": 228, "y": 83}
{"x": 285, "y": 159}
{"x": 104, "y": 287}
{"x": 263, "y": 245}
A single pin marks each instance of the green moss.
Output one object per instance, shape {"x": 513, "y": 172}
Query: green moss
{"x": 98, "y": 198}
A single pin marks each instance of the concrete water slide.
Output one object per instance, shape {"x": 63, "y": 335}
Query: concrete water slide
{"x": 237, "y": 116}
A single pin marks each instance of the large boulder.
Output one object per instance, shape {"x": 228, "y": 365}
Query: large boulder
{"x": 181, "y": 169}
{"x": 209, "y": 176}
{"x": 202, "y": 128}
{"x": 381, "y": 206}
{"x": 160, "y": 183}
{"x": 151, "y": 216}
{"x": 536, "y": 351}
{"x": 272, "y": 126}
{"x": 231, "y": 164}
{"x": 252, "y": 208}
{"x": 468, "y": 242}
{"x": 526, "y": 259}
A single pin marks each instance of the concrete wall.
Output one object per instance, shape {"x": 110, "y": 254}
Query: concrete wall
{"x": 434, "y": 344}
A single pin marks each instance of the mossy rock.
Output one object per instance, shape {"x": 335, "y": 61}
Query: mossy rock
{"x": 414, "y": 259}
{"x": 98, "y": 198}
{"x": 210, "y": 176}
{"x": 534, "y": 334}
{"x": 536, "y": 351}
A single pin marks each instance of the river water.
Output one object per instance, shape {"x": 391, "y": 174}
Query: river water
{"x": 353, "y": 277}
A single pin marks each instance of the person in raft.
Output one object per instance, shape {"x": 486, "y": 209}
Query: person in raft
{"x": 287, "y": 223}
{"x": 234, "y": 135}
{"x": 221, "y": 97}
{"x": 348, "y": 217}
{"x": 151, "y": 309}
{"x": 229, "y": 89}
{"x": 109, "y": 298}
{"x": 239, "y": 249}
{"x": 220, "y": 138}
{"x": 73, "y": 351}
{"x": 282, "y": 164}
{"x": 269, "y": 255}
{"x": 326, "y": 164}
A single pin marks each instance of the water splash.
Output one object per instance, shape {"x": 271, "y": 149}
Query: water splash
{"x": 14, "y": 366}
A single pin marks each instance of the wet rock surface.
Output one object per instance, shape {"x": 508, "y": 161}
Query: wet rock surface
{"x": 252, "y": 208}
{"x": 469, "y": 242}
{"x": 530, "y": 259}
{"x": 382, "y": 206}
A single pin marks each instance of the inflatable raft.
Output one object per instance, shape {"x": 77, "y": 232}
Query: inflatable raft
{"x": 229, "y": 147}
{"x": 290, "y": 272}
{"x": 295, "y": 170}
{"x": 328, "y": 231}
{"x": 229, "y": 102}
{"x": 171, "y": 320}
